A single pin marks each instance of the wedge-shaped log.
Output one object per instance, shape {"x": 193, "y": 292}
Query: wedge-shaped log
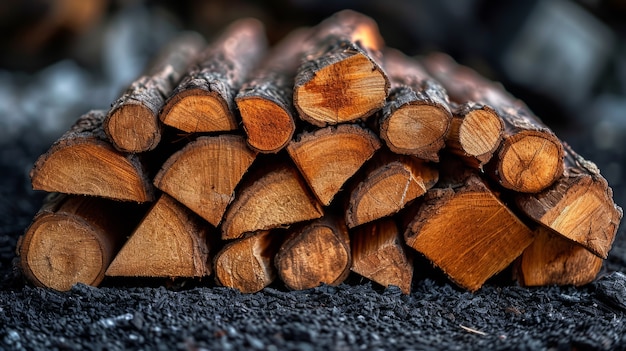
{"x": 132, "y": 123}
{"x": 328, "y": 157}
{"x": 276, "y": 198}
{"x": 475, "y": 133}
{"x": 467, "y": 232}
{"x": 387, "y": 185}
{"x": 579, "y": 206}
{"x": 203, "y": 174}
{"x": 340, "y": 79}
{"x": 72, "y": 239}
{"x": 379, "y": 254}
{"x": 416, "y": 117}
{"x": 170, "y": 241}
{"x": 318, "y": 253}
{"x": 554, "y": 260}
{"x": 204, "y": 99}
{"x": 265, "y": 101}
{"x": 84, "y": 162}
{"x": 247, "y": 264}
{"x": 530, "y": 157}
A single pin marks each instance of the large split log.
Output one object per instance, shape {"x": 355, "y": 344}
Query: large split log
{"x": 247, "y": 264}
{"x": 467, "y": 231}
{"x": 341, "y": 79}
{"x": 327, "y": 157}
{"x": 379, "y": 254}
{"x": 388, "y": 183}
{"x": 72, "y": 239}
{"x": 170, "y": 241}
{"x": 277, "y": 197}
{"x": 530, "y": 157}
{"x": 265, "y": 101}
{"x": 318, "y": 253}
{"x": 203, "y": 174}
{"x": 204, "y": 99}
{"x": 132, "y": 123}
{"x": 416, "y": 118}
{"x": 579, "y": 206}
{"x": 84, "y": 162}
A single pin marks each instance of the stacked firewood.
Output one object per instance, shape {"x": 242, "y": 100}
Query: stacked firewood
{"x": 325, "y": 154}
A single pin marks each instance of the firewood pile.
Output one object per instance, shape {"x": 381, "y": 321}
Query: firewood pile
{"x": 325, "y": 154}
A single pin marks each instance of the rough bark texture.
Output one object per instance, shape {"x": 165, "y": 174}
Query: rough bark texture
{"x": 84, "y": 162}
{"x": 204, "y": 99}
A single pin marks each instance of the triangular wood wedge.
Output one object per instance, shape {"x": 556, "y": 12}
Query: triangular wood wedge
{"x": 84, "y": 162}
{"x": 203, "y": 174}
{"x": 170, "y": 241}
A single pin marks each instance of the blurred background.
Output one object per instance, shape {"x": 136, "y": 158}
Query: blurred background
{"x": 61, "y": 58}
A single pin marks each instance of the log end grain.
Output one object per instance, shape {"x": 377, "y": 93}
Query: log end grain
{"x": 133, "y": 128}
{"x": 198, "y": 110}
{"x": 268, "y": 126}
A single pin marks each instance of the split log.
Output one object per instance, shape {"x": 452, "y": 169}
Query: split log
{"x": 247, "y": 264}
{"x": 328, "y": 157}
{"x": 170, "y": 241}
{"x": 416, "y": 117}
{"x": 530, "y": 157}
{"x": 554, "y": 260}
{"x": 468, "y": 232}
{"x": 203, "y": 174}
{"x": 204, "y": 99}
{"x": 341, "y": 79}
{"x": 279, "y": 197}
{"x": 318, "y": 253}
{"x": 475, "y": 133}
{"x": 388, "y": 183}
{"x": 84, "y": 162}
{"x": 579, "y": 206}
{"x": 132, "y": 123}
{"x": 265, "y": 101}
{"x": 72, "y": 239}
{"x": 379, "y": 254}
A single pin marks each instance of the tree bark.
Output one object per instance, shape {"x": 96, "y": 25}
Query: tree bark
{"x": 132, "y": 123}
{"x": 72, "y": 239}
{"x": 84, "y": 162}
{"x": 341, "y": 79}
{"x": 204, "y": 99}
{"x": 170, "y": 241}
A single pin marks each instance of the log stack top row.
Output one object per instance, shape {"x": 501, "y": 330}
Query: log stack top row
{"x": 324, "y": 154}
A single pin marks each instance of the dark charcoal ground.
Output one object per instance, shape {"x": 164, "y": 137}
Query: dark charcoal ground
{"x": 353, "y": 316}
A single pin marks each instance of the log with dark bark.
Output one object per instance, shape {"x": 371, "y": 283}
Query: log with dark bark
{"x": 72, "y": 239}
{"x": 132, "y": 123}
{"x": 530, "y": 157}
{"x": 341, "y": 79}
{"x": 84, "y": 162}
{"x": 417, "y": 115}
{"x": 170, "y": 241}
{"x": 318, "y": 253}
{"x": 579, "y": 206}
{"x": 204, "y": 99}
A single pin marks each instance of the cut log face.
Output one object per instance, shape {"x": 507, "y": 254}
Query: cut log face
{"x": 378, "y": 254}
{"x": 73, "y": 239}
{"x": 317, "y": 254}
{"x": 328, "y": 157}
{"x": 84, "y": 162}
{"x": 203, "y": 175}
{"x": 552, "y": 259}
{"x": 277, "y": 198}
{"x": 389, "y": 184}
{"x": 578, "y": 206}
{"x": 170, "y": 241}
{"x": 204, "y": 99}
{"x": 133, "y": 123}
{"x": 467, "y": 232}
{"x": 247, "y": 264}
{"x": 340, "y": 80}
